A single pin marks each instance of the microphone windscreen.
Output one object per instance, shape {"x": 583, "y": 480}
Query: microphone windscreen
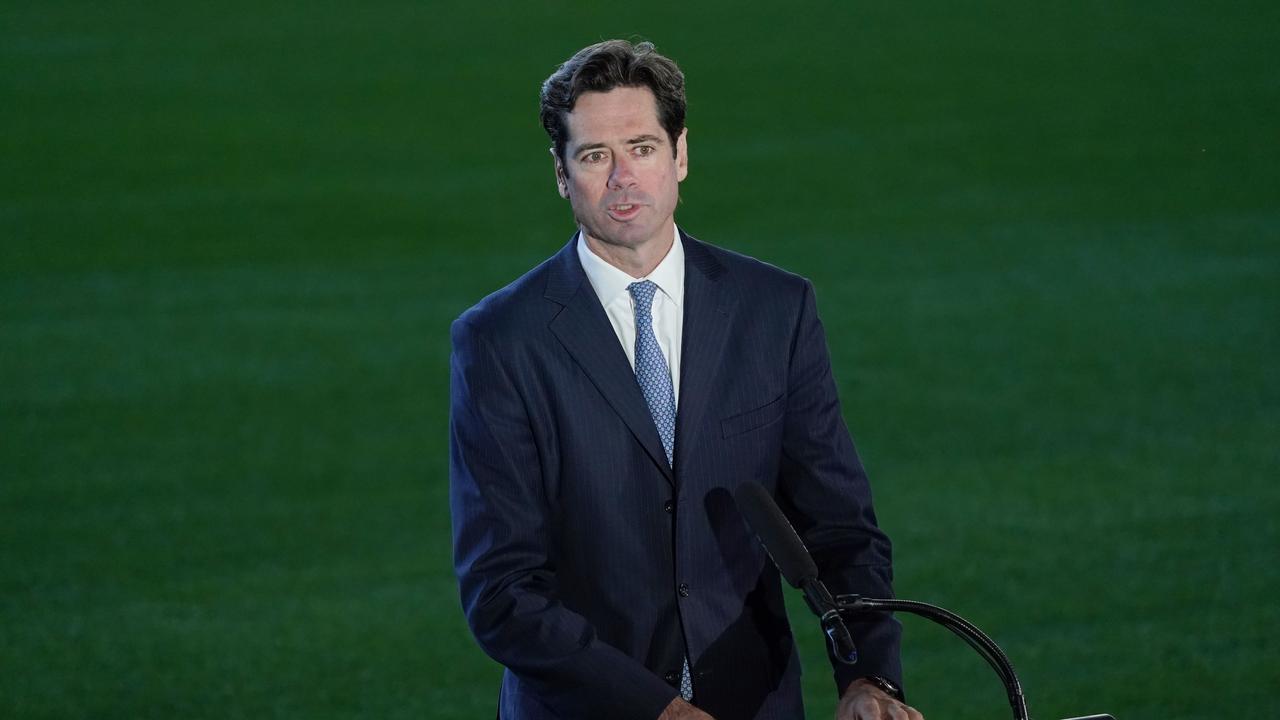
{"x": 765, "y": 518}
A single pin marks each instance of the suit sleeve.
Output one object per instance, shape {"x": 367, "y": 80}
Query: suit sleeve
{"x": 824, "y": 490}
{"x": 502, "y": 543}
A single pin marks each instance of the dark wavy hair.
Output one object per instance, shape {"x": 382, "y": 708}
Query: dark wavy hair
{"x": 603, "y": 67}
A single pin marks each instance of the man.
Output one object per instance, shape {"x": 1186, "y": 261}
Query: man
{"x": 606, "y": 405}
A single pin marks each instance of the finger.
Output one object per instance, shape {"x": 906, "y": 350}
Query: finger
{"x": 874, "y": 709}
{"x": 914, "y": 714}
{"x": 894, "y": 711}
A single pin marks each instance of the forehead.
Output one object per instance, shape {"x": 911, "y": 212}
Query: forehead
{"x": 621, "y": 113}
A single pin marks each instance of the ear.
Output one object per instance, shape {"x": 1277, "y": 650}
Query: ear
{"x": 682, "y": 155}
{"x": 562, "y": 178}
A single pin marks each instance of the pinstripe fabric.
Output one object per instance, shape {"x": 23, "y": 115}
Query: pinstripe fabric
{"x": 589, "y": 565}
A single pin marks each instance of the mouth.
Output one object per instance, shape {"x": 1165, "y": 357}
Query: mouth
{"x": 623, "y": 211}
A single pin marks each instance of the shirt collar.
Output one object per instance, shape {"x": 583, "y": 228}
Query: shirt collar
{"x": 608, "y": 281}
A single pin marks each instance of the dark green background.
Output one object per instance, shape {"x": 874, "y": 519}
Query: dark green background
{"x": 1046, "y": 243}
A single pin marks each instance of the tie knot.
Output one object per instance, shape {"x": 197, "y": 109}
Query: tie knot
{"x": 642, "y": 292}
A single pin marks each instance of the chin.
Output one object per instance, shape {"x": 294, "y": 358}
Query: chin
{"x": 625, "y": 236}
{"x": 615, "y": 241}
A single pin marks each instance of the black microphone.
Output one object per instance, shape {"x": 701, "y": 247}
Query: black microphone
{"x": 795, "y": 563}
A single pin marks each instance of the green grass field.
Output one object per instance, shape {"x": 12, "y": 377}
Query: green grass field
{"x": 1046, "y": 243}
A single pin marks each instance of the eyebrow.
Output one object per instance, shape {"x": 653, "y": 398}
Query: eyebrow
{"x": 629, "y": 141}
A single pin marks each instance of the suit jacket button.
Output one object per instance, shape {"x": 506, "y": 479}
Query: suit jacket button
{"x": 683, "y": 589}
{"x": 669, "y": 506}
{"x": 670, "y": 678}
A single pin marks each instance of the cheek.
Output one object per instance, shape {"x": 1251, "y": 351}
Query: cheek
{"x": 669, "y": 183}
{"x": 584, "y": 190}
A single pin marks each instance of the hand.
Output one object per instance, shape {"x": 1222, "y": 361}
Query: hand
{"x": 678, "y": 709}
{"x": 863, "y": 700}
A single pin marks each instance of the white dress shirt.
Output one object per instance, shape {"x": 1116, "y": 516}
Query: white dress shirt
{"x": 610, "y": 285}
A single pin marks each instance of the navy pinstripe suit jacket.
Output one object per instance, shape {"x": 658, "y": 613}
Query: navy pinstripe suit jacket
{"x": 587, "y": 566}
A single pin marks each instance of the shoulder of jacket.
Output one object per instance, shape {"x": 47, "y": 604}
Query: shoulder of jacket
{"x": 509, "y": 308}
{"x": 753, "y": 272}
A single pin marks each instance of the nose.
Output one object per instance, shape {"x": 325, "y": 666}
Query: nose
{"x": 621, "y": 176}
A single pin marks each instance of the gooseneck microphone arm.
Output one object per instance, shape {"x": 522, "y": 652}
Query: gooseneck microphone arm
{"x": 978, "y": 640}
{"x": 797, "y": 566}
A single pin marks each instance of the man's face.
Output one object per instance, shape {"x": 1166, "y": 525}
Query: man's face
{"x": 619, "y": 173}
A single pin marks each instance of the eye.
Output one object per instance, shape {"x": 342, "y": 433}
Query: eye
{"x": 593, "y": 157}
{"x": 644, "y": 150}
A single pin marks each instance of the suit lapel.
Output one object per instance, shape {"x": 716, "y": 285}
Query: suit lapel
{"x": 584, "y": 331}
{"x": 709, "y": 303}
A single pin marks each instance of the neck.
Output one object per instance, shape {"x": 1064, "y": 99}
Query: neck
{"x": 636, "y": 261}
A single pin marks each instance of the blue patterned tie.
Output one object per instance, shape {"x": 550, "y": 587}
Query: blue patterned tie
{"x": 655, "y": 382}
{"x": 651, "y": 367}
